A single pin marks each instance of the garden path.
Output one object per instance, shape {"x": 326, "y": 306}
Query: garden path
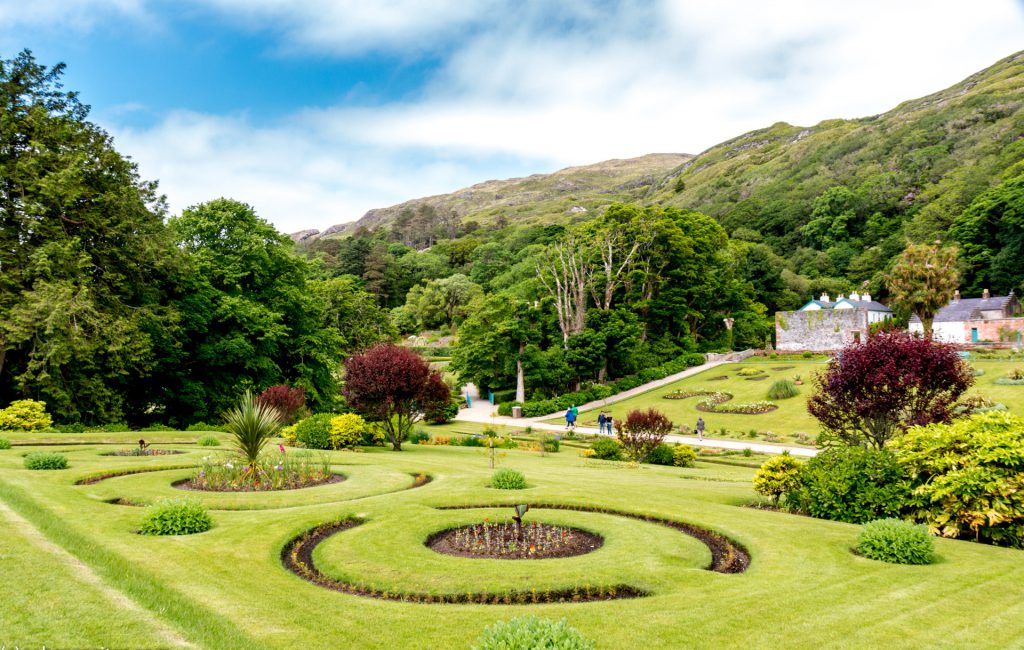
{"x": 483, "y": 411}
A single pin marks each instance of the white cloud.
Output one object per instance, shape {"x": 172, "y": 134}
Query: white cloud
{"x": 543, "y": 85}
{"x": 75, "y": 14}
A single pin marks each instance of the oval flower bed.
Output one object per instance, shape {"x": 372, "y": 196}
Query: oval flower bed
{"x": 505, "y": 540}
{"x": 714, "y": 399}
{"x": 281, "y": 471}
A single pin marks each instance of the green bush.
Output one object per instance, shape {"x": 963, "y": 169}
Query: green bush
{"x": 443, "y": 413}
{"x": 46, "y": 460}
{"x": 470, "y": 441}
{"x": 966, "y": 477}
{"x": 661, "y": 455}
{"x": 749, "y": 372}
{"x": 314, "y": 432}
{"x": 75, "y": 427}
{"x": 176, "y": 517}
{"x": 550, "y": 444}
{"x": 347, "y": 431}
{"x": 508, "y": 479}
{"x": 851, "y": 484}
{"x": 158, "y": 427}
{"x": 896, "y": 541}
{"x": 684, "y": 456}
{"x": 607, "y": 449}
{"x": 532, "y": 633}
{"x": 207, "y": 441}
{"x": 25, "y": 415}
{"x": 5, "y": 443}
{"x": 777, "y": 476}
{"x": 783, "y": 389}
{"x": 114, "y": 427}
{"x": 418, "y": 436}
{"x": 202, "y": 426}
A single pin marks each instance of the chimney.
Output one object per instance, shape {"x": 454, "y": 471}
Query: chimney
{"x": 855, "y": 296}
{"x": 841, "y": 296}
{"x": 984, "y": 295}
{"x": 956, "y": 296}
{"x": 824, "y": 297}
{"x": 866, "y": 297}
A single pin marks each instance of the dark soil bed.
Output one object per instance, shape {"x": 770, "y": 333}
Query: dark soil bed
{"x": 504, "y": 541}
{"x": 297, "y": 557}
{"x": 756, "y": 378}
{"x": 718, "y": 378}
{"x": 782, "y": 368}
{"x": 186, "y": 484}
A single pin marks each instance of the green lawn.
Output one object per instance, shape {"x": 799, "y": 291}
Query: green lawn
{"x": 226, "y": 588}
{"x": 791, "y": 416}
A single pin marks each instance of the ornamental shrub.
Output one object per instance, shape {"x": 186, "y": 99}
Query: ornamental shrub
{"x": 749, "y": 372}
{"x": 46, "y": 460}
{"x": 642, "y": 432}
{"x": 508, "y": 479}
{"x": 607, "y": 449}
{"x": 851, "y": 484}
{"x": 532, "y": 633}
{"x": 73, "y": 427}
{"x": 965, "y": 477}
{"x": 418, "y": 436}
{"x": 470, "y": 441}
{"x": 25, "y": 415}
{"x": 896, "y": 541}
{"x": 176, "y": 517}
{"x": 208, "y": 441}
{"x": 783, "y": 389}
{"x": 441, "y": 412}
{"x": 661, "y": 455}
{"x": 5, "y": 443}
{"x": 314, "y": 432}
{"x": 550, "y": 444}
{"x": 347, "y": 431}
{"x": 684, "y": 456}
{"x": 777, "y": 476}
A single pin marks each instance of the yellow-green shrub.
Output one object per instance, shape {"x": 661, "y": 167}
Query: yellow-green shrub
{"x": 777, "y": 476}
{"x": 347, "y": 430}
{"x": 25, "y": 415}
{"x": 684, "y": 456}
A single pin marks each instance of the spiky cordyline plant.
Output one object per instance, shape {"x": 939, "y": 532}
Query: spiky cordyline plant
{"x": 252, "y": 424}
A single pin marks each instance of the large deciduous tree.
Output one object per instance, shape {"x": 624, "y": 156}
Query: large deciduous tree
{"x": 83, "y": 252}
{"x": 875, "y": 390}
{"x": 923, "y": 280}
{"x": 393, "y": 386}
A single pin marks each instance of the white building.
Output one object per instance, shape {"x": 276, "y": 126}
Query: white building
{"x": 975, "y": 320}
{"x": 876, "y": 311}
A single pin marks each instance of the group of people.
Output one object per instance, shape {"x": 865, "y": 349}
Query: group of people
{"x": 606, "y": 425}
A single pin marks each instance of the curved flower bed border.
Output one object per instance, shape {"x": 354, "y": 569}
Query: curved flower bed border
{"x": 715, "y": 398}
{"x": 727, "y": 556}
{"x": 184, "y": 484}
{"x": 96, "y": 478}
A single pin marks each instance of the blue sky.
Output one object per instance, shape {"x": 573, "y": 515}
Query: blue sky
{"x": 317, "y": 111}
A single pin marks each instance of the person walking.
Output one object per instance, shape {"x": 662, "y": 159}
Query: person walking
{"x": 570, "y": 418}
{"x": 700, "y": 428}
{"x": 575, "y": 414}
{"x": 600, "y": 423}
{"x": 608, "y": 424}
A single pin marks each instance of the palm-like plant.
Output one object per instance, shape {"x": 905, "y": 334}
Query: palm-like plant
{"x": 252, "y": 424}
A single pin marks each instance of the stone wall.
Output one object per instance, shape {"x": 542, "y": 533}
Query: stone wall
{"x": 821, "y": 330}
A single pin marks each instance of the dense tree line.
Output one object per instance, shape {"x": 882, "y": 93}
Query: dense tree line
{"x": 110, "y": 312}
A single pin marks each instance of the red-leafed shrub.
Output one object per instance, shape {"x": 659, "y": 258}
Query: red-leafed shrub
{"x": 393, "y": 386}
{"x": 289, "y": 402}
{"x": 642, "y": 432}
{"x": 875, "y": 390}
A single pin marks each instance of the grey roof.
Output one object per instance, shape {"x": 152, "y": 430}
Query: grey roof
{"x": 870, "y": 305}
{"x": 968, "y": 309}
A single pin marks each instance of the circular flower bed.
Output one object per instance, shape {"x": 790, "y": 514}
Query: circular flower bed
{"x": 274, "y": 472}
{"x": 714, "y": 399}
{"x": 507, "y": 541}
{"x": 142, "y": 452}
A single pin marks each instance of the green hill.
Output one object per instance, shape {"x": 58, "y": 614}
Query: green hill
{"x": 570, "y": 192}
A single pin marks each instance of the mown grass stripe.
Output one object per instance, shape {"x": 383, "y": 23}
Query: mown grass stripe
{"x": 195, "y": 622}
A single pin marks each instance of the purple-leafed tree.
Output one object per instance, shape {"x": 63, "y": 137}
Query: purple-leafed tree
{"x": 877, "y": 389}
{"x": 641, "y": 432}
{"x": 289, "y": 402}
{"x": 393, "y": 386}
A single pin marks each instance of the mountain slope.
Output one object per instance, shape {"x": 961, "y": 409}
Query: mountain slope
{"x": 916, "y": 166}
{"x": 540, "y": 197}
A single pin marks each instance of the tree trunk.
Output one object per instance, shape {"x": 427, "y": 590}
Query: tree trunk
{"x": 520, "y": 377}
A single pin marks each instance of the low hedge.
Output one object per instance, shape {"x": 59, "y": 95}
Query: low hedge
{"x": 896, "y": 541}
{"x": 537, "y": 408}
